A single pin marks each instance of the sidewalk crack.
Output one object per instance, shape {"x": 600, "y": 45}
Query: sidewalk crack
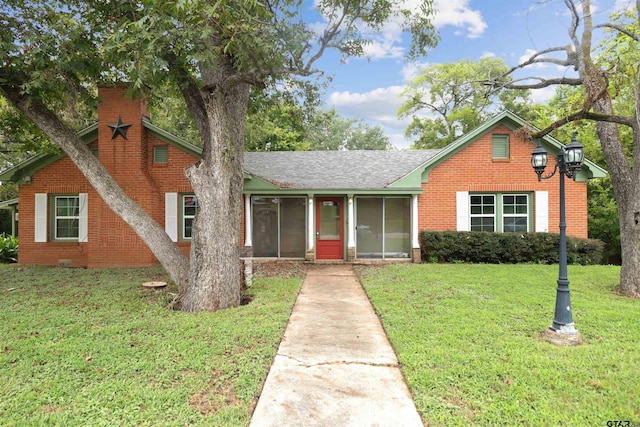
{"x": 340, "y": 362}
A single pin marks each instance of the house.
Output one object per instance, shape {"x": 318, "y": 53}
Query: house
{"x": 329, "y": 205}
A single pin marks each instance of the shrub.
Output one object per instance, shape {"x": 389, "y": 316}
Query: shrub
{"x": 8, "y": 248}
{"x": 506, "y": 248}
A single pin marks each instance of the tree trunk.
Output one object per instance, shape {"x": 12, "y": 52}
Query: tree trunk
{"x": 217, "y": 181}
{"x": 625, "y": 179}
{"x": 166, "y": 251}
{"x": 626, "y": 186}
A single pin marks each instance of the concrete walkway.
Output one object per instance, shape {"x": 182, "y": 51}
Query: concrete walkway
{"x": 334, "y": 366}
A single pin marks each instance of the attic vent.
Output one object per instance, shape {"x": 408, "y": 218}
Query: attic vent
{"x": 500, "y": 147}
{"x": 161, "y": 155}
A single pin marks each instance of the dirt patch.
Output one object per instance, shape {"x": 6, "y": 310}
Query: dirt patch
{"x": 220, "y": 394}
{"x": 285, "y": 269}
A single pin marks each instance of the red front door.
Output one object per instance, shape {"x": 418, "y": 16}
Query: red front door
{"x": 329, "y": 228}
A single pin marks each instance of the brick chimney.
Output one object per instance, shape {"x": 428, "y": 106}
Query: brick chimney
{"x": 120, "y": 132}
{"x": 123, "y": 150}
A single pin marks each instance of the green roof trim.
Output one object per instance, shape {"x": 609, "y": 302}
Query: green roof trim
{"x": 513, "y": 122}
{"x": 407, "y": 183}
{"x": 255, "y": 184}
{"x": 25, "y": 169}
{"x": 176, "y": 141}
{"x": 8, "y": 203}
{"x": 28, "y": 167}
{"x": 335, "y": 192}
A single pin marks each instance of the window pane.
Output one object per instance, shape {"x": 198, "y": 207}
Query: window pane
{"x": 521, "y": 200}
{"x": 482, "y": 224}
{"x": 265, "y": 226}
{"x": 515, "y": 224}
{"x": 189, "y": 210}
{"x": 66, "y": 228}
{"x": 67, "y": 206}
{"x": 369, "y": 227}
{"x": 397, "y": 227}
{"x": 67, "y": 212}
{"x": 188, "y": 227}
{"x": 482, "y": 212}
{"x": 292, "y": 227}
{"x": 190, "y": 205}
{"x": 330, "y": 221}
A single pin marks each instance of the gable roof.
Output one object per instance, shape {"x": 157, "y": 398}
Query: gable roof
{"x": 335, "y": 170}
{"x": 513, "y": 122}
{"x": 324, "y": 171}
{"x": 23, "y": 170}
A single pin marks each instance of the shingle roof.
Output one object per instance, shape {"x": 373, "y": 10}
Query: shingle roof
{"x": 365, "y": 169}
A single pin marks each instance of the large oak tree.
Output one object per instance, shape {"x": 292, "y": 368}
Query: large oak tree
{"x": 52, "y": 53}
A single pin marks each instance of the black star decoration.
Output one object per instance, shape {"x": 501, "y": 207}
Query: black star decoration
{"x": 119, "y": 129}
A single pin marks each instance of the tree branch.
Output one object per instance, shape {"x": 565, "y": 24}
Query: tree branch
{"x": 619, "y": 28}
{"x": 575, "y": 21}
{"x": 585, "y": 115}
{"x": 542, "y": 83}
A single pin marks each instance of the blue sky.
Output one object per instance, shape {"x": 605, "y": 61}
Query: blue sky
{"x": 469, "y": 29}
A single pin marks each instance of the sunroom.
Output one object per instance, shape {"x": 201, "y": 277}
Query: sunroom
{"x": 364, "y": 207}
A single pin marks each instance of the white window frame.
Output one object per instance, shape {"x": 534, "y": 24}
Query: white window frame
{"x": 515, "y": 215}
{"x": 483, "y": 215}
{"x": 184, "y": 216}
{"x": 57, "y": 217}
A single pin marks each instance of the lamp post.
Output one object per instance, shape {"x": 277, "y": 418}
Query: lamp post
{"x": 568, "y": 162}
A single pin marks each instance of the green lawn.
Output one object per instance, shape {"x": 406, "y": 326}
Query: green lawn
{"x": 468, "y": 339}
{"x": 92, "y": 347}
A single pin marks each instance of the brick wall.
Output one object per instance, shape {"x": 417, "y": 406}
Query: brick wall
{"x": 58, "y": 178}
{"x": 474, "y": 164}
{"x": 111, "y": 242}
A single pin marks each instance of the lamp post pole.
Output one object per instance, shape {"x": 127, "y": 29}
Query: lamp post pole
{"x": 563, "y": 318}
{"x": 568, "y": 163}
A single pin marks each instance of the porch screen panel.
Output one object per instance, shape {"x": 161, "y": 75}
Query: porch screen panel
{"x": 265, "y": 226}
{"x": 293, "y": 227}
{"x": 397, "y": 227}
{"x": 369, "y": 231}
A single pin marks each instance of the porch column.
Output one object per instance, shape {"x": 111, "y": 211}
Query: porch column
{"x": 415, "y": 232}
{"x": 351, "y": 230}
{"x": 311, "y": 227}
{"x": 248, "y": 232}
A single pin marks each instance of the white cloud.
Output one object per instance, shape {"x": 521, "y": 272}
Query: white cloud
{"x": 383, "y": 49}
{"x": 398, "y": 140}
{"x": 411, "y": 70}
{"x": 542, "y": 96}
{"x": 624, "y": 5}
{"x": 378, "y": 108}
{"x": 388, "y": 42}
{"x": 379, "y": 104}
{"x": 459, "y": 14}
